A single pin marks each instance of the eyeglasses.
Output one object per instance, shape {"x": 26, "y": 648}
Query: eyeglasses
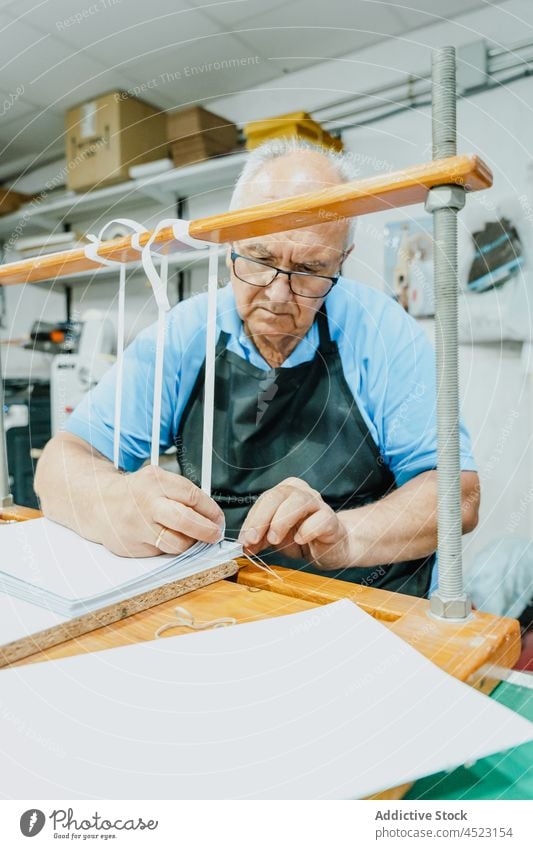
{"x": 260, "y": 274}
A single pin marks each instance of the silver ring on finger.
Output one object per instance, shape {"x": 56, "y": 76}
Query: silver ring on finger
{"x": 159, "y": 536}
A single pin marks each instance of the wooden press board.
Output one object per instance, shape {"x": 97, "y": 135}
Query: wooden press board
{"x": 70, "y": 628}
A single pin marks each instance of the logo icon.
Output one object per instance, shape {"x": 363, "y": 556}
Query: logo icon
{"x": 32, "y": 822}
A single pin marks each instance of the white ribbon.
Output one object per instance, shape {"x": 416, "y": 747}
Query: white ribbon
{"x": 209, "y": 385}
{"x": 158, "y": 280}
{"x": 181, "y": 234}
{"x": 91, "y": 252}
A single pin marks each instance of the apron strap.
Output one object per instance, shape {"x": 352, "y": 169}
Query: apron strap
{"x": 326, "y": 344}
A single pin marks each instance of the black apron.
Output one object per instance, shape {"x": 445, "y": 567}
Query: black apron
{"x": 298, "y": 422}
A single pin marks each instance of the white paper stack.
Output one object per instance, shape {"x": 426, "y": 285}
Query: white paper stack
{"x": 324, "y": 704}
{"x": 51, "y": 566}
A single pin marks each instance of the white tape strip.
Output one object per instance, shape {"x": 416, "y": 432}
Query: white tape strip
{"x": 209, "y": 388}
{"x": 181, "y": 234}
{"x": 158, "y": 282}
{"x": 91, "y": 252}
{"x": 120, "y": 365}
{"x": 159, "y": 364}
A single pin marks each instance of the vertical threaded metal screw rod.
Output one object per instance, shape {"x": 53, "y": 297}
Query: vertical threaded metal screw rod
{"x": 444, "y": 202}
{"x": 6, "y": 498}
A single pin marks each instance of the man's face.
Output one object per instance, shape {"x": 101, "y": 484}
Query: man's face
{"x": 275, "y": 310}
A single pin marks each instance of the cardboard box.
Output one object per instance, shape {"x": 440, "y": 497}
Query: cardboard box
{"x": 10, "y": 200}
{"x": 106, "y": 136}
{"x": 196, "y": 134}
{"x": 195, "y": 149}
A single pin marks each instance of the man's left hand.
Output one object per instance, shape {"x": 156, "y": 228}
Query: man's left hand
{"x": 293, "y": 518}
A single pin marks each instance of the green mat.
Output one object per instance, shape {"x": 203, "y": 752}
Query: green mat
{"x": 508, "y": 775}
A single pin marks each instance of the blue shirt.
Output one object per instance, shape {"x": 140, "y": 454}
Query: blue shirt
{"x": 388, "y": 363}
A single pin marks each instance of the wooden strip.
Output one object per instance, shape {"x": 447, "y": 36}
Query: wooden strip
{"x": 18, "y": 514}
{"x": 18, "y": 649}
{"x": 360, "y": 197}
{"x": 220, "y": 599}
{"x": 459, "y": 648}
{"x": 319, "y": 589}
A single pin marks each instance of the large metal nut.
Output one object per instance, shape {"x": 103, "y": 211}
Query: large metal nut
{"x": 450, "y": 608}
{"x": 445, "y": 197}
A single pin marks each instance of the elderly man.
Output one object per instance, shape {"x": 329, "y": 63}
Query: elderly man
{"x": 324, "y": 449}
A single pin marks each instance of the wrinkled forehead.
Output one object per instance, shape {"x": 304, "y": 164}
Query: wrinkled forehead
{"x": 286, "y": 176}
{"x": 322, "y": 241}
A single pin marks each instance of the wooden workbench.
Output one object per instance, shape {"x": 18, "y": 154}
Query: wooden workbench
{"x": 462, "y": 649}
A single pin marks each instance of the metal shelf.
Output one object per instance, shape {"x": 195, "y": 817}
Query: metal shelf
{"x": 45, "y": 215}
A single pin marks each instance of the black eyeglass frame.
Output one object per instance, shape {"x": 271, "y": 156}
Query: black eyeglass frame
{"x": 333, "y": 280}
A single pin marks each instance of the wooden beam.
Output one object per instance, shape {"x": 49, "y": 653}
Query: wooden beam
{"x": 348, "y": 200}
{"x": 360, "y": 197}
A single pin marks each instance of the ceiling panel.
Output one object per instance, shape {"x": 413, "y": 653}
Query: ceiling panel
{"x": 175, "y": 52}
{"x": 13, "y": 109}
{"x": 51, "y": 73}
{"x": 310, "y": 30}
{"x": 232, "y": 13}
{"x": 423, "y": 13}
{"x": 31, "y": 133}
{"x": 210, "y": 67}
{"x": 121, "y": 30}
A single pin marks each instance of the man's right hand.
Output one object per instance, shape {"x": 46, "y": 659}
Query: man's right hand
{"x": 153, "y": 511}
{"x": 134, "y": 515}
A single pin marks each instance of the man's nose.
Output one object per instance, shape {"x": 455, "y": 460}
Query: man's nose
{"x": 279, "y": 289}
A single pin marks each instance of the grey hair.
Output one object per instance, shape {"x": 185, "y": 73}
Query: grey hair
{"x": 279, "y": 147}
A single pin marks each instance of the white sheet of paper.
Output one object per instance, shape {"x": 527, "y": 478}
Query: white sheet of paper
{"x": 19, "y": 619}
{"x": 327, "y": 703}
{"x": 52, "y": 558}
{"x": 48, "y": 555}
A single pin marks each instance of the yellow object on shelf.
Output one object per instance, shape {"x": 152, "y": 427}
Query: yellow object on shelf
{"x": 297, "y": 125}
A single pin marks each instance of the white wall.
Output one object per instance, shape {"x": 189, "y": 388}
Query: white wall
{"x": 23, "y": 306}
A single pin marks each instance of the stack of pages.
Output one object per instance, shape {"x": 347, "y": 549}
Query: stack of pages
{"x": 46, "y": 564}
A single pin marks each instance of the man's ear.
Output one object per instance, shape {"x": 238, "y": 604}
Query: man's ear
{"x": 228, "y": 258}
{"x": 347, "y": 253}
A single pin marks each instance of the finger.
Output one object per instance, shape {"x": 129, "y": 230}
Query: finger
{"x": 170, "y": 542}
{"x": 323, "y": 525}
{"x": 180, "y": 489}
{"x": 184, "y": 520}
{"x": 297, "y": 483}
{"x": 291, "y": 513}
{"x": 257, "y": 522}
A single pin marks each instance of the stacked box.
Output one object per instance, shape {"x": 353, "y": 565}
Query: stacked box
{"x": 10, "y": 200}
{"x": 106, "y": 136}
{"x": 196, "y": 134}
